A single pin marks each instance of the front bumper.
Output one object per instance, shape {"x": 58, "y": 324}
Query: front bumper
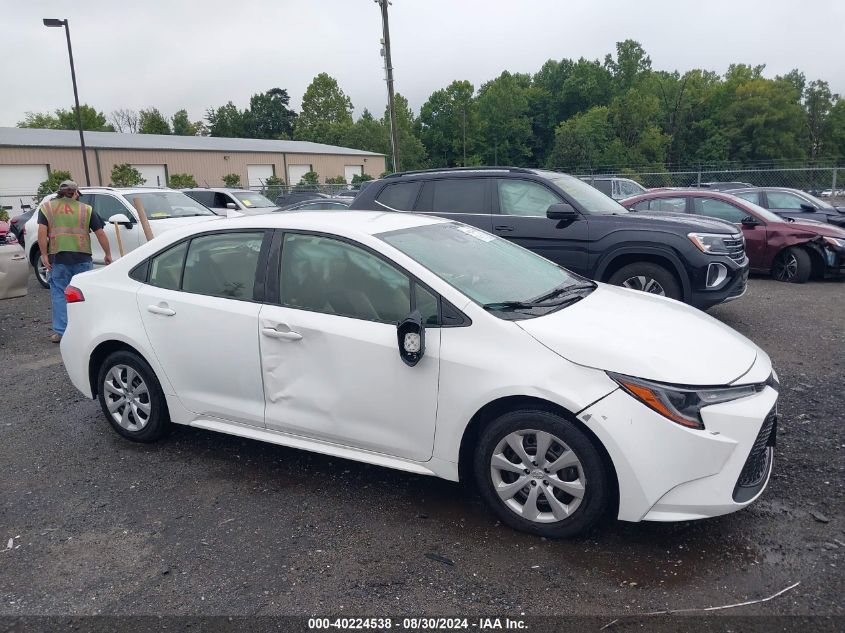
{"x": 733, "y": 287}
{"x": 667, "y": 472}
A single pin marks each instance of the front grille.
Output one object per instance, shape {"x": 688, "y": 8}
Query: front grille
{"x": 756, "y": 467}
{"x": 736, "y": 247}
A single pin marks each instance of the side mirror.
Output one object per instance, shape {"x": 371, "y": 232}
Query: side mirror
{"x": 231, "y": 205}
{"x": 807, "y": 207}
{"x": 750, "y": 220}
{"x": 120, "y": 218}
{"x": 411, "y": 337}
{"x": 562, "y": 211}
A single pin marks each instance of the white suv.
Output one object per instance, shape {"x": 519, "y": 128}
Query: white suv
{"x": 165, "y": 209}
{"x": 430, "y": 346}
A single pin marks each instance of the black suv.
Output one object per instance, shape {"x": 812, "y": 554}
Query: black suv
{"x": 697, "y": 260}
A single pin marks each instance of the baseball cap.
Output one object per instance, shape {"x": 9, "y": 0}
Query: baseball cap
{"x": 68, "y": 184}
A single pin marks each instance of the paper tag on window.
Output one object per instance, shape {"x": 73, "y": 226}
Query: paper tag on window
{"x": 476, "y": 233}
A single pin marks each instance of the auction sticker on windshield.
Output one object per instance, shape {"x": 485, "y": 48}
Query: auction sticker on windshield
{"x": 476, "y": 233}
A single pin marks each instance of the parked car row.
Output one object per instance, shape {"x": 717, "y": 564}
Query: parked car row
{"x": 788, "y": 249}
{"x": 697, "y": 260}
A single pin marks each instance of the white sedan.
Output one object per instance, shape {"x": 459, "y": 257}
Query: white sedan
{"x": 429, "y": 346}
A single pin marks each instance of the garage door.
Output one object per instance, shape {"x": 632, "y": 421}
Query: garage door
{"x": 296, "y": 172}
{"x": 258, "y": 174}
{"x": 19, "y": 183}
{"x": 352, "y": 170}
{"x": 154, "y": 175}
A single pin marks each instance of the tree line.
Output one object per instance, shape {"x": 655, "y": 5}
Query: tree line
{"x": 570, "y": 115}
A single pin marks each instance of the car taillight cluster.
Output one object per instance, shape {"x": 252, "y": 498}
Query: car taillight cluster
{"x": 73, "y": 295}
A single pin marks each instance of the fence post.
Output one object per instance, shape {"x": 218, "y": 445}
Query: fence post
{"x": 699, "y": 178}
{"x": 833, "y": 184}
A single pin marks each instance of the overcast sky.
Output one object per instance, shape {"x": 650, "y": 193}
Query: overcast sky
{"x": 175, "y": 54}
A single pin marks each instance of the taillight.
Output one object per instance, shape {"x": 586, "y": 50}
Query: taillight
{"x": 13, "y": 221}
{"x": 73, "y": 295}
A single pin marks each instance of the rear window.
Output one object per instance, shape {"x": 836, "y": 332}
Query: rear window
{"x": 399, "y": 196}
{"x": 460, "y": 195}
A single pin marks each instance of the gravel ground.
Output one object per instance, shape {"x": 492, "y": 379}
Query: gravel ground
{"x": 209, "y": 524}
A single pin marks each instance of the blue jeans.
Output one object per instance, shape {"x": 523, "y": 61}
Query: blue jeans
{"x": 60, "y": 277}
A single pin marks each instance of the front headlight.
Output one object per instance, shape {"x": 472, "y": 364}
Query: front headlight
{"x": 711, "y": 243}
{"x": 835, "y": 242}
{"x": 681, "y": 405}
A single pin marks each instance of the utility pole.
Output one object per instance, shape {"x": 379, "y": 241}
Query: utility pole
{"x": 388, "y": 67}
{"x": 53, "y": 22}
{"x": 465, "y": 134}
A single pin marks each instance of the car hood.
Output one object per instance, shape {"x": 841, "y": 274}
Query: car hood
{"x": 819, "y": 228}
{"x": 687, "y": 222}
{"x": 646, "y": 336}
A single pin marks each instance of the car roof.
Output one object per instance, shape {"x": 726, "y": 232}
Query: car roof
{"x": 675, "y": 193}
{"x": 342, "y": 222}
{"x": 220, "y": 189}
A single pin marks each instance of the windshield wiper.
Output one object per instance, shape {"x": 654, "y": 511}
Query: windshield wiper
{"x": 505, "y": 306}
{"x": 562, "y": 290}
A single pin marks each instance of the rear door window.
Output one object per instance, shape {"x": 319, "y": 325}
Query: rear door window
{"x": 458, "y": 195}
{"x": 784, "y": 200}
{"x": 223, "y": 265}
{"x": 669, "y": 205}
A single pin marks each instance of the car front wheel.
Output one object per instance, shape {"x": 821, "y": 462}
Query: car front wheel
{"x": 131, "y": 398}
{"x": 792, "y": 265}
{"x": 539, "y": 473}
{"x": 647, "y": 277}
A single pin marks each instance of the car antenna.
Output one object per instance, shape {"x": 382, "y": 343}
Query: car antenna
{"x": 206, "y": 183}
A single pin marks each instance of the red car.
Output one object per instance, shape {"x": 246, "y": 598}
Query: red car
{"x": 788, "y": 250}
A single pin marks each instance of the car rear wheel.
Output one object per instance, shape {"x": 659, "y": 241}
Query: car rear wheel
{"x": 41, "y": 272}
{"x": 540, "y": 474}
{"x": 792, "y": 265}
{"x": 131, "y": 398}
{"x": 647, "y": 277}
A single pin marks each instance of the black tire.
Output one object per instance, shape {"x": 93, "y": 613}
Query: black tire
{"x": 792, "y": 265}
{"x": 151, "y": 425}
{"x": 647, "y": 277}
{"x": 36, "y": 265}
{"x": 590, "y": 470}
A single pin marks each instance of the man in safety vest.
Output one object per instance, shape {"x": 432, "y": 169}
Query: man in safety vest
{"x": 66, "y": 223}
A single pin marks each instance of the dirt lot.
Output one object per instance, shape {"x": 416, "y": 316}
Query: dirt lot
{"x": 207, "y": 524}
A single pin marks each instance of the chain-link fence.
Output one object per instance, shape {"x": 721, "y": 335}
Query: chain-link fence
{"x": 318, "y": 191}
{"x": 825, "y": 182}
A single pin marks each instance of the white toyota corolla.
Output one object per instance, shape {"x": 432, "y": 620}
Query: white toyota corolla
{"x": 429, "y": 346}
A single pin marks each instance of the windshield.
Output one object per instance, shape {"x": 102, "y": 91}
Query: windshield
{"x": 819, "y": 203}
{"x": 253, "y": 200}
{"x": 489, "y": 270}
{"x": 591, "y": 199}
{"x": 767, "y": 215}
{"x": 159, "y": 205}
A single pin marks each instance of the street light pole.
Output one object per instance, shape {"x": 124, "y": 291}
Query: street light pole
{"x": 389, "y": 68}
{"x": 52, "y": 22}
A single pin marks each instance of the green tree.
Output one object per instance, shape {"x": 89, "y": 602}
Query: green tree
{"x": 232, "y": 180}
{"x": 336, "y": 180}
{"x": 449, "y": 126}
{"x": 357, "y": 179}
{"x": 226, "y": 121}
{"x": 326, "y": 114}
{"x": 152, "y": 121}
{"x": 51, "y": 185}
{"x": 505, "y": 125}
{"x": 92, "y": 120}
{"x": 182, "y": 125}
{"x": 818, "y": 102}
{"x": 273, "y": 187}
{"x": 269, "y": 116}
{"x": 181, "y": 181}
{"x": 125, "y": 175}
{"x": 630, "y": 66}
{"x": 309, "y": 182}
{"x": 367, "y": 133}
{"x": 581, "y": 141}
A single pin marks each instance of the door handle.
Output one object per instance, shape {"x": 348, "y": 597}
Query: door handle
{"x": 17, "y": 258}
{"x": 161, "y": 309}
{"x": 504, "y": 227}
{"x": 274, "y": 333}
